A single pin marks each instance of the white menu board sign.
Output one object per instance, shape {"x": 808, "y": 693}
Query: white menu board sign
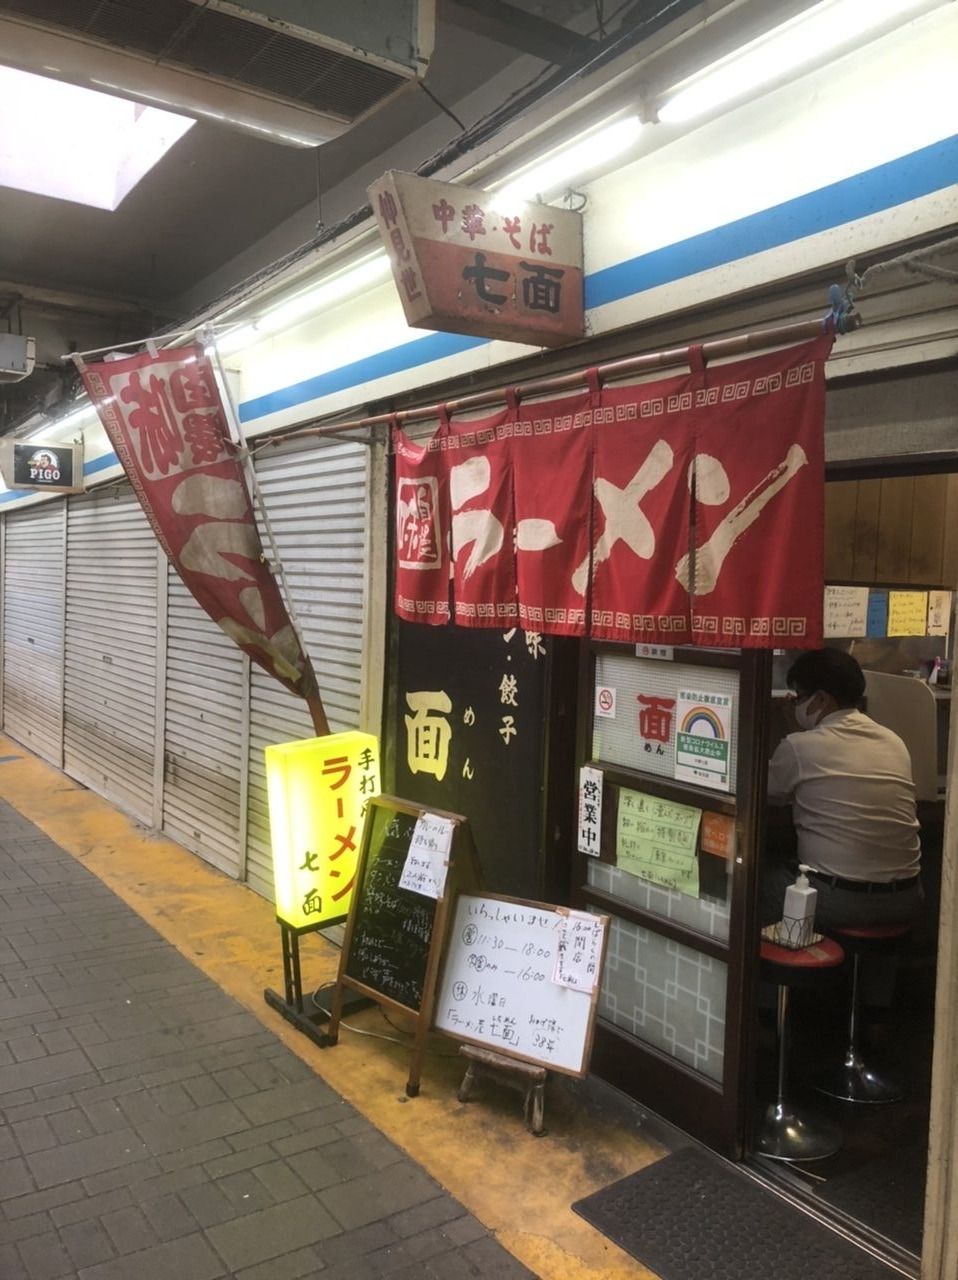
{"x": 498, "y": 987}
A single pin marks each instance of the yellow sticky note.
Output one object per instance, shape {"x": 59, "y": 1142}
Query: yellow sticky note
{"x": 907, "y": 613}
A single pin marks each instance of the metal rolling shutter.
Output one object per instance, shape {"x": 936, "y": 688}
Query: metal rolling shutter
{"x": 205, "y": 734}
{"x": 111, "y": 649}
{"x": 316, "y": 501}
{"x": 33, "y": 628}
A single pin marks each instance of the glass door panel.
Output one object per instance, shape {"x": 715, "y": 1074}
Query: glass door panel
{"x": 678, "y": 741}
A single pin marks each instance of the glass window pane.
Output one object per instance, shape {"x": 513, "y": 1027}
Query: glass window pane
{"x": 666, "y": 995}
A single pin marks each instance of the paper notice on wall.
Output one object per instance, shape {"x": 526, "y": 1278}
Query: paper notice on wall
{"x": 702, "y": 738}
{"x": 907, "y": 613}
{"x": 718, "y": 834}
{"x": 427, "y": 861}
{"x": 939, "y": 612}
{"x": 657, "y": 840}
{"x": 877, "y": 614}
{"x": 579, "y": 951}
{"x": 846, "y": 612}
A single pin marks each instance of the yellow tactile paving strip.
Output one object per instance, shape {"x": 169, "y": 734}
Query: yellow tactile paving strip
{"x": 519, "y": 1186}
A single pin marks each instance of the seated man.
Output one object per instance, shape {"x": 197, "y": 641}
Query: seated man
{"x": 849, "y": 782}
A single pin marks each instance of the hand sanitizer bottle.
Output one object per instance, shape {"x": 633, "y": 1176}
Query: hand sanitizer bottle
{"x": 798, "y": 917}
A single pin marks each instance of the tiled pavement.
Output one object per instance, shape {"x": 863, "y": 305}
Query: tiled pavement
{"x": 152, "y": 1128}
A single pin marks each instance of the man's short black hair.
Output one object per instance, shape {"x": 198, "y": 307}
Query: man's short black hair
{"x": 831, "y": 671}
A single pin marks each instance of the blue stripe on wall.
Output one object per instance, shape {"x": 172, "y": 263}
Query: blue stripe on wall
{"x": 884, "y": 187}
{"x": 922, "y": 172}
{"x": 395, "y": 360}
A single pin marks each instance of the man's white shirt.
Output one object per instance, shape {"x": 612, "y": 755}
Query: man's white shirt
{"x": 853, "y": 799}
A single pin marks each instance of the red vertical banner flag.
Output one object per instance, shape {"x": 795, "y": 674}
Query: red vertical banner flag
{"x": 422, "y": 529}
{"x": 756, "y": 569}
{"x": 643, "y": 450}
{"x": 164, "y": 417}
{"x": 552, "y": 483}
{"x": 479, "y": 460}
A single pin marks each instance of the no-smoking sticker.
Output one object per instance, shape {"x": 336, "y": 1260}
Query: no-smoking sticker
{"x": 605, "y": 702}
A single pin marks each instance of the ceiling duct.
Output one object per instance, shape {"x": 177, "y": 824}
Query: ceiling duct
{"x": 244, "y": 64}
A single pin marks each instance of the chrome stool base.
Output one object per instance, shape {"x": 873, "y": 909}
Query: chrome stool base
{"x": 785, "y": 1135}
{"x": 856, "y": 1081}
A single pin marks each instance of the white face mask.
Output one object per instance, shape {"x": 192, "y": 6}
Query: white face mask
{"x": 804, "y": 717}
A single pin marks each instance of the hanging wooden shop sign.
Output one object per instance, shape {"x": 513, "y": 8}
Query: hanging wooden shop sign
{"x": 471, "y": 261}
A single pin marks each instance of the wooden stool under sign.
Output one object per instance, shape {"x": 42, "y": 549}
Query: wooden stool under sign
{"x": 530, "y": 1080}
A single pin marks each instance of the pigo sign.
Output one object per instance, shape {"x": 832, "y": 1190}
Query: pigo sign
{"x": 43, "y": 466}
{"x": 470, "y": 261}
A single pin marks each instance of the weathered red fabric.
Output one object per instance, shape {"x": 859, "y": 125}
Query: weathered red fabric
{"x": 552, "y": 481}
{"x": 685, "y": 510}
{"x": 643, "y": 450}
{"x": 759, "y": 514}
{"x": 422, "y": 529}
{"x": 483, "y": 522}
{"x": 164, "y": 417}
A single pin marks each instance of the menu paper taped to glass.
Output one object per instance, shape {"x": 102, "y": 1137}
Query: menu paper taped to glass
{"x": 657, "y": 839}
{"x": 428, "y": 858}
{"x": 579, "y": 951}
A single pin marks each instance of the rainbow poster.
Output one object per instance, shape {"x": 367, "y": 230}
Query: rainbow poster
{"x": 702, "y": 737}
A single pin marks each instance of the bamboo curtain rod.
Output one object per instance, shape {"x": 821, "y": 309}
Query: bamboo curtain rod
{"x": 742, "y": 343}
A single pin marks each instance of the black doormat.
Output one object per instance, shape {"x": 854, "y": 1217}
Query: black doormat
{"x": 690, "y": 1217}
{"x": 888, "y": 1194}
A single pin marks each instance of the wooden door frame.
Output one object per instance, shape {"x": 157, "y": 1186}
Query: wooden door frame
{"x": 716, "y": 1114}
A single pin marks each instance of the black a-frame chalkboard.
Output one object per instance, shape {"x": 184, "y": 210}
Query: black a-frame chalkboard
{"x": 394, "y": 937}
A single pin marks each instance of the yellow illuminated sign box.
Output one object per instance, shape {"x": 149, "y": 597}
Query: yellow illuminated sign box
{"x": 318, "y": 790}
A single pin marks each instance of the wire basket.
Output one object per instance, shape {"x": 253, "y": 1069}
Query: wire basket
{"x": 792, "y": 934}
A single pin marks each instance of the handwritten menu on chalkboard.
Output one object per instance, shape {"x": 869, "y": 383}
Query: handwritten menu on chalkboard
{"x": 657, "y": 840}
{"x": 392, "y": 933}
{"x": 498, "y": 988}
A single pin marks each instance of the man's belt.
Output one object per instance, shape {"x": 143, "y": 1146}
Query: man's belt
{"x": 864, "y": 886}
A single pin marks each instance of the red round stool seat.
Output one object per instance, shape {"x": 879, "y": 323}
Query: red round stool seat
{"x": 786, "y": 1133}
{"x": 871, "y": 933}
{"x": 786, "y": 967}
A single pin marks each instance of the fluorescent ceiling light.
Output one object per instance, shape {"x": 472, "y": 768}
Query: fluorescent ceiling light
{"x": 76, "y": 144}
{"x": 308, "y": 303}
{"x": 65, "y": 426}
{"x": 555, "y": 171}
{"x": 338, "y": 287}
{"x": 786, "y": 48}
